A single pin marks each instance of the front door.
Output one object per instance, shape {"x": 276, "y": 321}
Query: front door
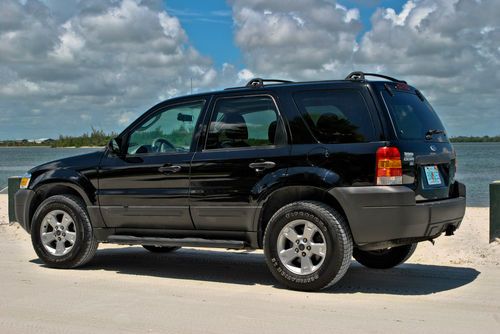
{"x": 148, "y": 185}
{"x": 244, "y": 155}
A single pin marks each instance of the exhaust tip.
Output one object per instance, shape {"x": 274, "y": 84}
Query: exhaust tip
{"x": 450, "y": 230}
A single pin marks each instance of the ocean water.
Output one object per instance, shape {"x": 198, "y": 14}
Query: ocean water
{"x": 478, "y": 165}
{"x": 16, "y": 161}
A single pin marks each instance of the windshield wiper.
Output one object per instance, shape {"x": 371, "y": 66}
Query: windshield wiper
{"x": 432, "y": 132}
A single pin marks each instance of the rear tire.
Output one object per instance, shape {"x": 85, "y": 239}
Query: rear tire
{"x": 61, "y": 232}
{"x": 160, "y": 249}
{"x": 384, "y": 258}
{"x": 308, "y": 246}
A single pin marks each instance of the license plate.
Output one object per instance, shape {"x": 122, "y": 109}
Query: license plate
{"x": 432, "y": 175}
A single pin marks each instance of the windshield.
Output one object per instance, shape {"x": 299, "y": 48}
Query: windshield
{"x": 412, "y": 117}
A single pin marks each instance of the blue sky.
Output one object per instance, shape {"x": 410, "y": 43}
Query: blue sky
{"x": 209, "y": 24}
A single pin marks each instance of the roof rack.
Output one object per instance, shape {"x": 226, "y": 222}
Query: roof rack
{"x": 361, "y": 76}
{"x": 258, "y": 82}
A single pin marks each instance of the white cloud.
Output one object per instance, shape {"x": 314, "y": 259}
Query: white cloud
{"x": 126, "y": 117}
{"x": 104, "y": 62}
{"x": 399, "y": 19}
{"x": 245, "y": 75}
{"x": 447, "y": 48}
{"x": 295, "y": 39}
{"x": 85, "y": 117}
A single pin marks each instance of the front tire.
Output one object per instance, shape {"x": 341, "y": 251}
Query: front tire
{"x": 384, "y": 258}
{"x": 308, "y": 246}
{"x": 61, "y": 232}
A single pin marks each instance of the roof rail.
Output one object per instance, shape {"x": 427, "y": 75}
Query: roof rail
{"x": 258, "y": 82}
{"x": 361, "y": 76}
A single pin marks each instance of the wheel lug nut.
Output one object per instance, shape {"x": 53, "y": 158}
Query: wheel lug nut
{"x": 305, "y": 240}
{"x": 296, "y": 250}
{"x": 64, "y": 234}
{"x": 297, "y": 242}
{"x": 308, "y": 247}
{"x": 303, "y": 253}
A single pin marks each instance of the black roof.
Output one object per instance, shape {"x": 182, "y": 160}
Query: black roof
{"x": 257, "y": 83}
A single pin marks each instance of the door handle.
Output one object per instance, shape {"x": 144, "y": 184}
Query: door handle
{"x": 169, "y": 169}
{"x": 261, "y": 165}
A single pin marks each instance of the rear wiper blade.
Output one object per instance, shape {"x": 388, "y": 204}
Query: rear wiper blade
{"x": 432, "y": 132}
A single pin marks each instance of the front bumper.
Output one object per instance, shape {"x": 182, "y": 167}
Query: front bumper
{"x": 22, "y": 202}
{"x": 380, "y": 214}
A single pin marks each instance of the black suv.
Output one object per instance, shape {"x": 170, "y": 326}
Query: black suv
{"x": 312, "y": 172}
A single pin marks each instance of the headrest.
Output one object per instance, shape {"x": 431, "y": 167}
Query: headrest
{"x": 332, "y": 128}
{"x": 234, "y": 127}
{"x": 328, "y": 126}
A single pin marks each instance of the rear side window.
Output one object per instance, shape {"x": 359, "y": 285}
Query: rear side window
{"x": 245, "y": 122}
{"x": 336, "y": 116}
{"x": 412, "y": 117}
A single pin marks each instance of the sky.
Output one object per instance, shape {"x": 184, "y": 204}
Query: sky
{"x": 69, "y": 65}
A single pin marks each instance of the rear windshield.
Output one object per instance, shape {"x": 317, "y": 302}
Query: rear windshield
{"x": 336, "y": 116}
{"x": 412, "y": 117}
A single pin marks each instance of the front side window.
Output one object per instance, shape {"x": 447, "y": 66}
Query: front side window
{"x": 245, "y": 122}
{"x": 336, "y": 116}
{"x": 168, "y": 131}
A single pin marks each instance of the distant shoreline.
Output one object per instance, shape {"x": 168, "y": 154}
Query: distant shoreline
{"x": 95, "y": 139}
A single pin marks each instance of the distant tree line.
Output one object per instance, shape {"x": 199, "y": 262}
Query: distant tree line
{"x": 475, "y": 139}
{"x": 94, "y": 138}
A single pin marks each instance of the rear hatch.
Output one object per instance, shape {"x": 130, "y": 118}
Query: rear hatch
{"x": 428, "y": 158}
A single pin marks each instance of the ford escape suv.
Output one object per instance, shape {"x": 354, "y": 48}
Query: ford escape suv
{"x": 312, "y": 172}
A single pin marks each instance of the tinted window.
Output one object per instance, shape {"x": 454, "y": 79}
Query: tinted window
{"x": 411, "y": 116}
{"x": 170, "y": 130}
{"x": 336, "y": 116}
{"x": 245, "y": 122}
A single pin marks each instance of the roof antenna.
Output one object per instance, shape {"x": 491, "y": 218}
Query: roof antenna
{"x": 191, "y": 86}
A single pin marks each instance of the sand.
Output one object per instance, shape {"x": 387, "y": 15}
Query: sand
{"x": 452, "y": 287}
{"x": 3, "y": 209}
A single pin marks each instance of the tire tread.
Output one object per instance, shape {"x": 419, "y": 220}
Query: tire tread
{"x": 334, "y": 217}
{"x": 88, "y": 247}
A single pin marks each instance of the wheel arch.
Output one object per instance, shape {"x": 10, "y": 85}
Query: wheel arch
{"x": 47, "y": 187}
{"x": 289, "y": 194}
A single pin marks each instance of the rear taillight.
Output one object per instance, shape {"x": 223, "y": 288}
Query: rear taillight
{"x": 389, "y": 170}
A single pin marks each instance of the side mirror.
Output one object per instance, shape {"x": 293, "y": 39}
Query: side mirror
{"x": 114, "y": 146}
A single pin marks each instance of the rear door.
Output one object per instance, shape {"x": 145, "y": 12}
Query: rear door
{"x": 429, "y": 160}
{"x": 344, "y": 135}
{"x": 244, "y": 154}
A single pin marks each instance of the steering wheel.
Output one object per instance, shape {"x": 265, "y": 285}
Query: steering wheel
{"x": 162, "y": 145}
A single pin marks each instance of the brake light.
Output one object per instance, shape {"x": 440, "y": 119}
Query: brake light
{"x": 402, "y": 86}
{"x": 389, "y": 169}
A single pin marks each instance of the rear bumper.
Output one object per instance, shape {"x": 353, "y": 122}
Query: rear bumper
{"x": 22, "y": 202}
{"x": 380, "y": 214}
